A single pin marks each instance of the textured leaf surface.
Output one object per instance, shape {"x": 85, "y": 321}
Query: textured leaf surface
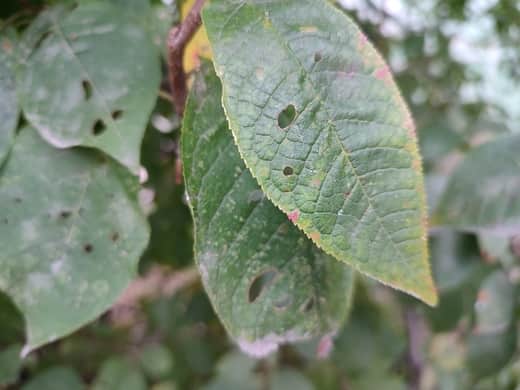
{"x": 71, "y": 235}
{"x": 320, "y": 123}
{"x": 91, "y": 78}
{"x": 267, "y": 281}
{"x": 483, "y": 193}
{"x": 8, "y": 101}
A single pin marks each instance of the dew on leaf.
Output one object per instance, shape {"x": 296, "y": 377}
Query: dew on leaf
{"x": 260, "y": 283}
{"x": 286, "y": 117}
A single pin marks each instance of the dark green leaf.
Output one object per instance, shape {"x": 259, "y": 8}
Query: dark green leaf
{"x": 71, "y": 235}
{"x": 345, "y": 167}
{"x": 56, "y": 378}
{"x": 267, "y": 281}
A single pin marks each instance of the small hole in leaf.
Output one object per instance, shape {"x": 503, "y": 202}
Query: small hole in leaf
{"x": 317, "y": 57}
{"x": 88, "y": 248}
{"x": 288, "y": 171}
{"x": 87, "y": 89}
{"x": 18, "y": 200}
{"x": 65, "y": 214}
{"x": 286, "y": 117}
{"x": 308, "y": 305}
{"x": 117, "y": 114}
{"x": 98, "y": 127}
{"x": 114, "y": 236}
{"x": 260, "y": 283}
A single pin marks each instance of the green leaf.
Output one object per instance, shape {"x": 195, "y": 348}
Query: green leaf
{"x": 9, "y": 108}
{"x": 71, "y": 235}
{"x": 119, "y": 374}
{"x": 321, "y": 125}
{"x": 56, "y": 378}
{"x": 91, "y": 78}
{"x": 483, "y": 193}
{"x": 268, "y": 283}
{"x": 493, "y": 340}
{"x": 10, "y": 364}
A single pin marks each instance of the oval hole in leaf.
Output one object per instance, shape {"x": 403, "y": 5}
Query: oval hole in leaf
{"x": 98, "y": 127}
{"x": 116, "y": 114}
{"x": 87, "y": 89}
{"x": 307, "y": 307}
{"x": 260, "y": 283}
{"x": 288, "y": 171}
{"x": 317, "y": 57}
{"x": 286, "y": 117}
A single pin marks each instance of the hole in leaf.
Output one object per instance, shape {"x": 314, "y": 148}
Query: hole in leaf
{"x": 117, "y": 114}
{"x": 65, "y": 214}
{"x": 87, "y": 89}
{"x": 88, "y": 248}
{"x": 307, "y": 307}
{"x": 286, "y": 117}
{"x": 114, "y": 236}
{"x": 260, "y": 283}
{"x": 98, "y": 127}
{"x": 317, "y": 57}
{"x": 288, "y": 171}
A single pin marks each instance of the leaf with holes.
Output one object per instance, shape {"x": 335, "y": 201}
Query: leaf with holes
{"x": 90, "y": 78}
{"x": 267, "y": 281}
{"x": 483, "y": 194}
{"x": 321, "y": 125}
{"x": 9, "y": 109}
{"x": 71, "y": 235}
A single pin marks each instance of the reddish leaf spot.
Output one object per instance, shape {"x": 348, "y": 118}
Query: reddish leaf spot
{"x": 315, "y": 236}
{"x": 362, "y": 41}
{"x": 382, "y": 73}
{"x": 324, "y": 347}
{"x": 294, "y": 216}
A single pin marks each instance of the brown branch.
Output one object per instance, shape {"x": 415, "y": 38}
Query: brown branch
{"x": 178, "y": 38}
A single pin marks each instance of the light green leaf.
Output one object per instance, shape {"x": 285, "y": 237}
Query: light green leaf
{"x": 71, "y": 235}
{"x": 483, "y": 193}
{"x": 9, "y": 108}
{"x": 91, "y": 78}
{"x": 268, "y": 283}
{"x": 321, "y": 125}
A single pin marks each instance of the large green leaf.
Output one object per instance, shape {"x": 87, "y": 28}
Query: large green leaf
{"x": 91, "y": 78}
{"x": 483, "y": 193}
{"x": 267, "y": 281}
{"x": 321, "y": 125}
{"x": 71, "y": 235}
{"x": 9, "y": 103}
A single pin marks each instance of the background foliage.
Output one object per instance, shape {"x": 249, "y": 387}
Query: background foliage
{"x": 456, "y": 62}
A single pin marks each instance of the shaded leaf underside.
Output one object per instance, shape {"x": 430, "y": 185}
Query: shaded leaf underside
{"x": 346, "y": 167}
{"x": 268, "y": 283}
{"x": 71, "y": 235}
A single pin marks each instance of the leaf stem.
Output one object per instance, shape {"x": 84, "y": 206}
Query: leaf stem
{"x": 178, "y": 38}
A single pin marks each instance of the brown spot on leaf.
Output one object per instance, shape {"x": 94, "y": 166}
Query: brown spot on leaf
{"x": 88, "y": 248}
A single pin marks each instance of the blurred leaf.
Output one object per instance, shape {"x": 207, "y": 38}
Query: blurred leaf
{"x": 56, "y": 378}
{"x": 267, "y": 282}
{"x": 10, "y": 364}
{"x": 493, "y": 341}
{"x": 497, "y": 248}
{"x": 91, "y": 79}
{"x": 72, "y": 235}
{"x": 235, "y": 371}
{"x": 119, "y": 374}
{"x": 11, "y": 322}
{"x": 437, "y": 141}
{"x": 9, "y": 108}
{"x": 156, "y": 361}
{"x": 346, "y": 168}
{"x": 289, "y": 379}
{"x": 483, "y": 193}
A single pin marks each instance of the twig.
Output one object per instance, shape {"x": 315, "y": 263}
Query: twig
{"x": 178, "y": 38}
{"x": 415, "y": 328}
